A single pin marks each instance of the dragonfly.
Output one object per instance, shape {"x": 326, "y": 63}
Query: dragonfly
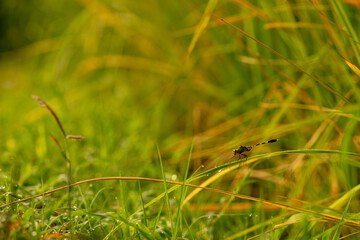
{"x": 242, "y": 149}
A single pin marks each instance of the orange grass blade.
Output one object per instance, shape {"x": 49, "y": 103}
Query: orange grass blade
{"x": 57, "y": 143}
{"x": 52, "y": 112}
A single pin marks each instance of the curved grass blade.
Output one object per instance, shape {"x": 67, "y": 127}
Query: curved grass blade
{"x": 52, "y": 112}
{"x": 201, "y": 26}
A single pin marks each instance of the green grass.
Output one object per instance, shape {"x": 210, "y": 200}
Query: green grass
{"x": 163, "y": 91}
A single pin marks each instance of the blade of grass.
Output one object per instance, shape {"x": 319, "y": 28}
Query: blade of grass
{"x": 346, "y": 197}
{"x": 142, "y": 204}
{"x": 52, "y": 112}
{"x": 139, "y": 227}
{"x": 123, "y": 204}
{"x": 96, "y": 195}
{"x": 183, "y": 191}
{"x": 201, "y": 26}
{"x": 165, "y": 189}
{"x": 159, "y": 214}
{"x": 85, "y": 204}
{"x": 353, "y": 67}
{"x": 341, "y": 223}
{"x": 188, "y": 228}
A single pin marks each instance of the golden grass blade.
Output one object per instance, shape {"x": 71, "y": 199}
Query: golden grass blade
{"x": 353, "y": 67}
{"x": 201, "y": 26}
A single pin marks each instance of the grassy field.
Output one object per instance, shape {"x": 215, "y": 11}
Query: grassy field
{"x": 162, "y": 92}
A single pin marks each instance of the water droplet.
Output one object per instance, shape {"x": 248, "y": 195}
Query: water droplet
{"x": 219, "y": 170}
{"x": 250, "y": 214}
{"x": 202, "y": 166}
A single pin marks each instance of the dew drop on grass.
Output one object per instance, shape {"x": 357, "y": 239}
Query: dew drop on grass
{"x": 219, "y": 170}
{"x": 2, "y": 187}
{"x": 250, "y": 214}
{"x": 173, "y": 177}
{"x": 202, "y": 166}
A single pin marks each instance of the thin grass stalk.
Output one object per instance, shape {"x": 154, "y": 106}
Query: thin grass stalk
{"x": 165, "y": 190}
{"x": 65, "y": 153}
{"x": 142, "y": 203}
{"x": 183, "y": 192}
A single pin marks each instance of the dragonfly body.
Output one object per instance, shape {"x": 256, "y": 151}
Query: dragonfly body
{"x": 242, "y": 149}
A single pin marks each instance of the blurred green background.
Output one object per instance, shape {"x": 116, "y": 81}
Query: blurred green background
{"x": 128, "y": 75}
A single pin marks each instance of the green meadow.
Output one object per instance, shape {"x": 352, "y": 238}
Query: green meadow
{"x": 138, "y": 119}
